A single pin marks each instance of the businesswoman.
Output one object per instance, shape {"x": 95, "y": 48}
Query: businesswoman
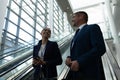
{"x": 46, "y": 56}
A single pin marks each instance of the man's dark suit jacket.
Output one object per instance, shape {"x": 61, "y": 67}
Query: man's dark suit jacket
{"x": 87, "y": 50}
{"x": 52, "y": 57}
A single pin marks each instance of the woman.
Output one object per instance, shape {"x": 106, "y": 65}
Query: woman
{"x": 46, "y": 56}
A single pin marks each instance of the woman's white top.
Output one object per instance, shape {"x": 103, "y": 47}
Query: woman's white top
{"x": 42, "y": 51}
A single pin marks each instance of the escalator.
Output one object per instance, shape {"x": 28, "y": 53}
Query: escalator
{"x": 20, "y": 68}
{"x": 110, "y": 64}
{"x": 21, "y": 64}
{"x": 111, "y": 68}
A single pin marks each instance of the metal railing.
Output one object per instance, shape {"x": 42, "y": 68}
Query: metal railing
{"x": 112, "y": 62}
{"x": 7, "y": 67}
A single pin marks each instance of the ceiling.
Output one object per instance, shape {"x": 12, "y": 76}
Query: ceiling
{"x": 92, "y": 7}
{"x": 66, "y": 7}
{"x": 78, "y": 4}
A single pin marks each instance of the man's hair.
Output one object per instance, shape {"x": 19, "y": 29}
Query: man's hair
{"x": 84, "y": 13}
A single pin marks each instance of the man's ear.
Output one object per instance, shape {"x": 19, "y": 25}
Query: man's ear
{"x": 80, "y": 16}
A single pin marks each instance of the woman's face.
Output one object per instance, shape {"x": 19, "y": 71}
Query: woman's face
{"x": 46, "y": 33}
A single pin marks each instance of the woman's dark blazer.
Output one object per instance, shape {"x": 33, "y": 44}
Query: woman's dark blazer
{"x": 88, "y": 48}
{"x": 52, "y": 57}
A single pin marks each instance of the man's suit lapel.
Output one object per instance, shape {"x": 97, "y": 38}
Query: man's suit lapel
{"x": 80, "y": 32}
{"x": 78, "y": 35}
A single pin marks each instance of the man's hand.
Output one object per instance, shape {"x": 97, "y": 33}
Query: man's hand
{"x": 74, "y": 66}
{"x": 68, "y": 62}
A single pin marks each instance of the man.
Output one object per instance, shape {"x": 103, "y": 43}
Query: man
{"x": 86, "y": 50}
{"x": 46, "y": 56}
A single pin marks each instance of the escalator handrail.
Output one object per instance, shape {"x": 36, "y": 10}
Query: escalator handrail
{"x": 24, "y": 73}
{"x": 13, "y": 52}
{"x": 1, "y": 54}
{"x": 112, "y": 58}
{"x": 12, "y": 64}
{"x": 5, "y": 68}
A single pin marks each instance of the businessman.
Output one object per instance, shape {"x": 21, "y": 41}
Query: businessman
{"x": 87, "y": 48}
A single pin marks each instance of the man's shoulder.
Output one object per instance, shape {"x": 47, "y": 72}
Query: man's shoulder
{"x": 93, "y": 26}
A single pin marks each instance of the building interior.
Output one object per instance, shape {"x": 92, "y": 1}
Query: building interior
{"x": 21, "y": 22}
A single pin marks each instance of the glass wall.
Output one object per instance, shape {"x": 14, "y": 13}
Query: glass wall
{"x": 57, "y": 20}
{"x": 26, "y": 18}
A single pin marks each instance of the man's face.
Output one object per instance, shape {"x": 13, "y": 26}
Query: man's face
{"x": 46, "y": 33}
{"x": 76, "y": 20}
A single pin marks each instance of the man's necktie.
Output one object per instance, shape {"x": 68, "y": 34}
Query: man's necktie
{"x": 76, "y": 32}
{"x": 74, "y": 37}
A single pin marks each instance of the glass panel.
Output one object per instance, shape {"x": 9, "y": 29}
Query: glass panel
{"x": 56, "y": 21}
{"x": 33, "y": 1}
{"x": 27, "y": 18}
{"x": 15, "y": 7}
{"x": 41, "y": 8}
{"x": 13, "y": 17}
{"x": 25, "y": 36}
{"x": 26, "y": 27}
{"x": 12, "y": 28}
{"x": 41, "y": 3}
{"x": 17, "y": 1}
{"x": 39, "y": 13}
{"x": 55, "y": 31}
{"x": 28, "y": 9}
{"x": 48, "y": 23}
{"x": 24, "y": 15}
{"x": 38, "y": 27}
{"x": 40, "y": 20}
{"x": 38, "y": 36}
{"x": 55, "y": 16}
{"x": 11, "y": 37}
{"x": 56, "y": 25}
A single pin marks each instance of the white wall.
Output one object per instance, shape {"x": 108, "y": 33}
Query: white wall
{"x": 116, "y": 13}
{"x": 3, "y": 4}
